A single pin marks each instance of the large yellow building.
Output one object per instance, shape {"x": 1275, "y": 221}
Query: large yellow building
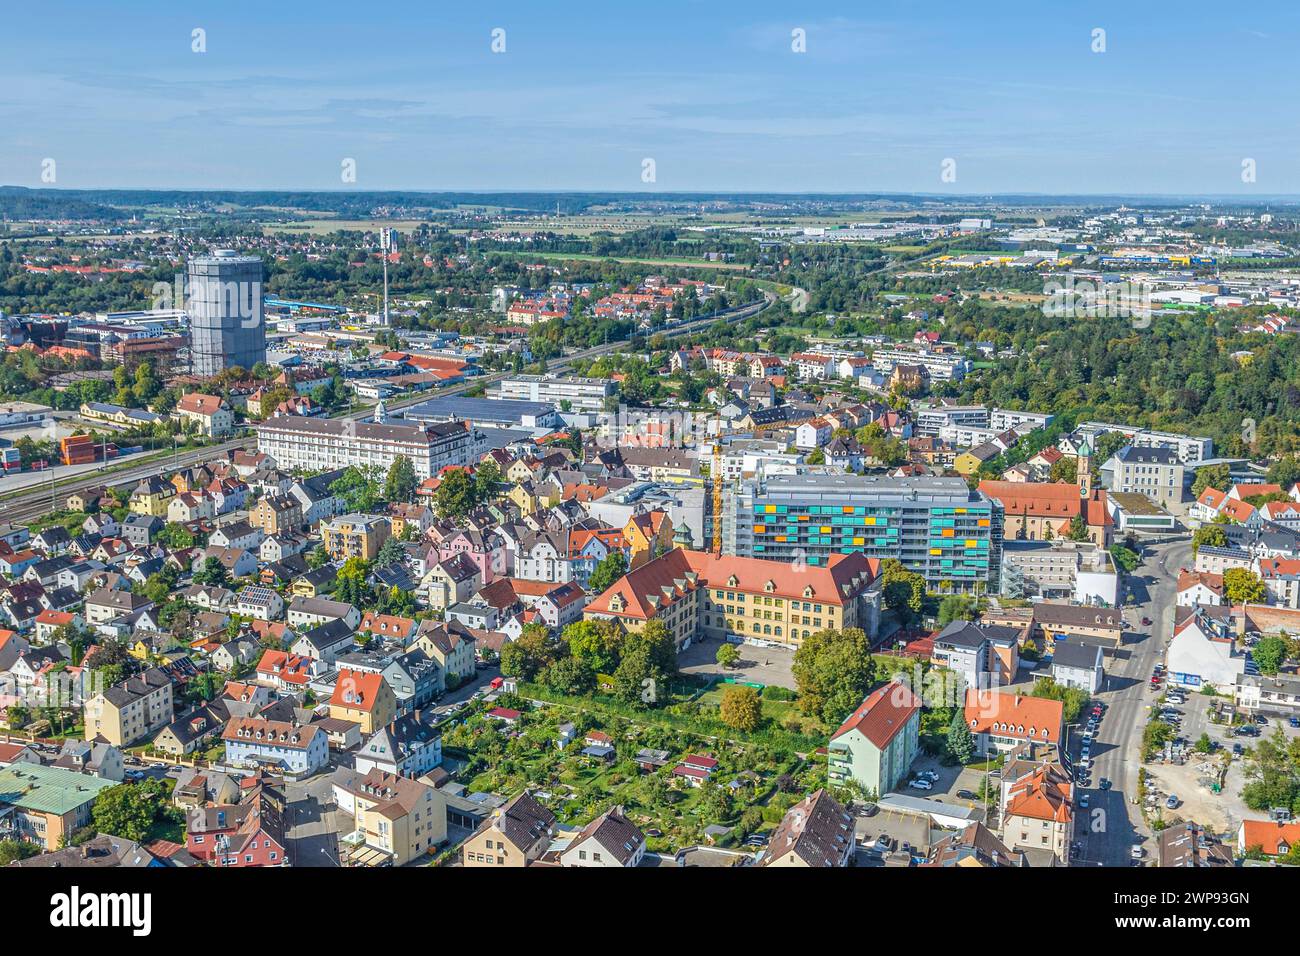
{"x": 696, "y": 594}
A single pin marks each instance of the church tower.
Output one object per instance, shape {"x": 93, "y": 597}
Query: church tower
{"x": 1083, "y": 469}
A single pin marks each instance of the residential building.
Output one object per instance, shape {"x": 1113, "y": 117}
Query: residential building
{"x": 355, "y": 536}
{"x": 363, "y": 698}
{"x": 1203, "y": 652}
{"x": 815, "y": 832}
{"x": 1003, "y": 721}
{"x": 936, "y": 526}
{"x": 877, "y": 743}
{"x": 1273, "y": 838}
{"x": 401, "y": 818}
{"x": 407, "y": 747}
{"x": 515, "y": 834}
{"x": 610, "y": 840}
{"x": 255, "y": 742}
{"x": 1038, "y": 814}
{"x": 1155, "y": 472}
{"x": 209, "y": 414}
{"x": 1187, "y": 843}
{"x": 250, "y": 833}
{"x": 132, "y": 710}
{"x": 1079, "y": 663}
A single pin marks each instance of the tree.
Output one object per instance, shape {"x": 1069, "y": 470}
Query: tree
{"x": 610, "y": 568}
{"x": 597, "y": 642}
{"x": 1211, "y": 476}
{"x": 833, "y": 671}
{"x": 1269, "y": 653}
{"x": 570, "y": 675}
{"x": 956, "y": 607}
{"x": 401, "y": 481}
{"x": 455, "y": 496}
{"x": 176, "y": 537}
{"x": 1125, "y": 559}
{"x": 212, "y": 572}
{"x": 1204, "y": 744}
{"x": 1241, "y": 586}
{"x": 741, "y": 708}
{"x": 1209, "y": 536}
{"x": 486, "y": 479}
{"x": 11, "y": 851}
{"x": 1285, "y": 472}
{"x": 1078, "y": 530}
{"x": 1072, "y": 698}
{"x": 526, "y": 657}
{"x": 125, "y": 810}
{"x": 727, "y": 655}
{"x": 902, "y": 591}
{"x": 960, "y": 743}
{"x": 636, "y": 679}
{"x": 392, "y": 552}
{"x": 358, "y": 489}
{"x": 351, "y": 586}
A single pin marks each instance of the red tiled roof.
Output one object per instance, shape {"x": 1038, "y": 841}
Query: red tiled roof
{"x": 882, "y": 715}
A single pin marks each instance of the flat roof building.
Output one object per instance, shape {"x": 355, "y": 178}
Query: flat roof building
{"x": 938, "y": 527}
{"x": 300, "y": 442}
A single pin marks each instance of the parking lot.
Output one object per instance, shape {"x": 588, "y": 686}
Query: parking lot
{"x": 1221, "y": 812}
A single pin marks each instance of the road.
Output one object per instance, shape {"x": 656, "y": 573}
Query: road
{"x": 36, "y": 500}
{"x": 1113, "y": 822}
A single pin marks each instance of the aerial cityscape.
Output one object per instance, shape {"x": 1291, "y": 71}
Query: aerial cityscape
{"x": 445, "y": 500}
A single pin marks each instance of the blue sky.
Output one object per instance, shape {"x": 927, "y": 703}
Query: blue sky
{"x": 712, "y": 92}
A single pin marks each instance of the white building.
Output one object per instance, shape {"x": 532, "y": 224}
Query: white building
{"x": 314, "y": 443}
{"x": 1202, "y": 652}
{"x": 581, "y": 394}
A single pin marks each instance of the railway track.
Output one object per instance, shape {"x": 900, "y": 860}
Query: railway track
{"x": 39, "y": 499}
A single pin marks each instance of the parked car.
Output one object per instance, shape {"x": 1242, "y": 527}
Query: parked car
{"x": 920, "y": 783}
{"x": 1083, "y": 801}
{"x": 1172, "y": 802}
{"x": 1136, "y": 851}
{"x": 1146, "y": 622}
{"x": 930, "y": 775}
{"x": 1104, "y": 784}
{"x": 1237, "y": 750}
{"x": 1294, "y": 721}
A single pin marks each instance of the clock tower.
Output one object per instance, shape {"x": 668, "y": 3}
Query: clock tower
{"x": 1083, "y": 469}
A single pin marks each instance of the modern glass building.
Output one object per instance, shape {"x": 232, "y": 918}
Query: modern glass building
{"x": 224, "y": 301}
{"x": 937, "y": 526}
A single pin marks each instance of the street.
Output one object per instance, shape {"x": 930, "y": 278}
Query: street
{"x": 1112, "y": 823}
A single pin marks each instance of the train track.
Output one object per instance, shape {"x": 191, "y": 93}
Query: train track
{"x": 39, "y": 499}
